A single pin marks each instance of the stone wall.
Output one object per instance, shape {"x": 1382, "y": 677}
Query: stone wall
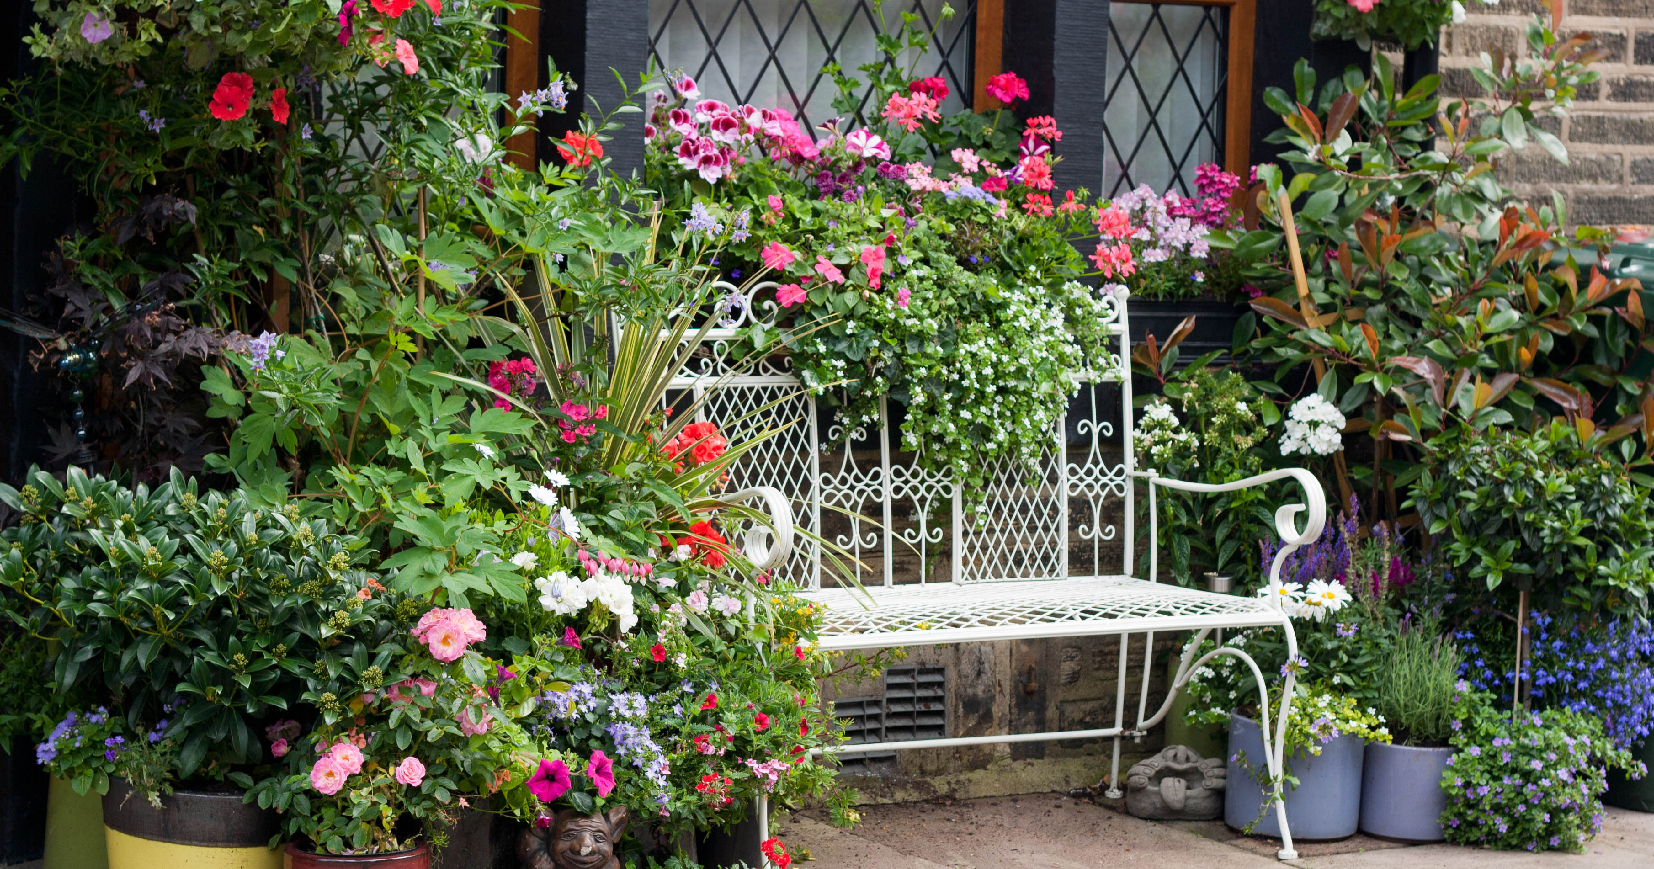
{"x": 1610, "y": 132}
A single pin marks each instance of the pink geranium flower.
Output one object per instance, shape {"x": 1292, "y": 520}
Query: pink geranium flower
{"x": 410, "y": 772}
{"x": 909, "y": 111}
{"x": 347, "y": 756}
{"x": 1114, "y": 223}
{"x": 1364, "y": 5}
{"x": 550, "y": 781}
{"x": 601, "y": 770}
{"x": 777, "y": 256}
{"x": 790, "y": 294}
{"x": 327, "y": 776}
{"x": 776, "y": 203}
{"x": 829, "y": 271}
{"x": 1116, "y": 260}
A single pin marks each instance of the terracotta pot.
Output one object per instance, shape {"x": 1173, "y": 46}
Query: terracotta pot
{"x": 194, "y": 829}
{"x": 297, "y": 858}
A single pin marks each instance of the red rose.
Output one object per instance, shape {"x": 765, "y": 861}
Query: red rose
{"x": 658, "y": 653}
{"x": 234, "y": 93}
{"x": 278, "y": 105}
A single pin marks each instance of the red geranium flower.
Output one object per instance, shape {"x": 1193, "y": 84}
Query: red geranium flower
{"x": 278, "y": 105}
{"x": 658, "y": 653}
{"x": 580, "y": 149}
{"x": 995, "y": 184}
{"x": 706, "y": 542}
{"x": 1007, "y": 87}
{"x": 777, "y": 852}
{"x": 934, "y": 87}
{"x": 234, "y": 93}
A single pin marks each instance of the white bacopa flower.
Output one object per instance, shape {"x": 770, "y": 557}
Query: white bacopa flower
{"x": 543, "y": 495}
{"x": 525, "y": 560}
{"x": 1314, "y": 427}
{"x": 557, "y": 478}
{"x": 486, "y": 450}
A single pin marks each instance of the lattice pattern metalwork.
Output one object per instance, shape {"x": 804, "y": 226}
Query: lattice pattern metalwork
{"x": 771, "y": 53}
{"x": 1163, "y": 109}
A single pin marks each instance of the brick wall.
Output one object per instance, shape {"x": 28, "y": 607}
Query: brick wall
{"x": 1610, "y": 131}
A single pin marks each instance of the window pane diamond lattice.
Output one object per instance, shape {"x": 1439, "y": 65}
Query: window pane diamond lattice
{"x": 1163, "y": 107}
{"x": 771, "y": 53}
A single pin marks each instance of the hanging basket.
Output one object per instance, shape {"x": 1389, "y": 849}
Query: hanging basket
{"x": 1412, "y": 23}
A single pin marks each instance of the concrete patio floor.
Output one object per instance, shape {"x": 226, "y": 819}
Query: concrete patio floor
{"x": 1051, "y": 831}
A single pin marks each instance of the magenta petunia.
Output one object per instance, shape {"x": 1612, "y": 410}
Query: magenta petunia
{"x": 550, "y": 781}
{"x": 601, "y": 770}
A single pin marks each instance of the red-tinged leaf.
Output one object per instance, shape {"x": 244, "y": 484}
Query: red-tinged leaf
{"x": 1430, "y": 370}
{"x": 1624, "y": 428}
{"x": 1345, "y": 264}
{"x": 1312, "y": 122}
{"x": 1648, "y": 423}
{"x": 1390, "y": 430}
{"x": 1568, "y": 398}
{"x": 1372, "y": 339}
{"x": 1502, "y": 385}
{"x": 1597, "y": 289}
{"x": 1269, "y": 306}
{"x": 1182, "y": 331}
{"x": 1343, "y": 109}
{"x": 1388, "y": 251}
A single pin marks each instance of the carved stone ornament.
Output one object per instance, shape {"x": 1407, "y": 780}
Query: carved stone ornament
{"x": 574, "y": 841}
{"x": 1176, "y": 785}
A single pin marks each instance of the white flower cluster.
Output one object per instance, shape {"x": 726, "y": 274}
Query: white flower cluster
{"x": 565, "y": 595}
{"x": 1317, "y": 600}
{"x": 1313, "y": 427}
{"x": 1160, "y": 437}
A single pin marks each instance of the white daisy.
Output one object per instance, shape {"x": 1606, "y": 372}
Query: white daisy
{"x": 543, "y": 495}
{"x": 557, "y": 478}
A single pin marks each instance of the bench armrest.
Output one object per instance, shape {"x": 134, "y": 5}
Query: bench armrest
{"x": 1315, "y": 501}
{"x": 757, "y": 545}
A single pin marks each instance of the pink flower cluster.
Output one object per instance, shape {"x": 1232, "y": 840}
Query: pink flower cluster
{"x": 330, "y": 771}
{"x": 908, "y": 112}
{"x": 447, "y": 632}
{"x": 613, "y": 564}
{"x": 1211, "y": 209}
{"x": 711, "y": 138}
{"x": 576, "y": 425}
{"x": 769, "y": 772}
{"x": 512, "y": 377}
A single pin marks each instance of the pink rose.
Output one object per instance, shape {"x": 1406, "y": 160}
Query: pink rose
{"x": 327, "y": 776}
{"x": 410, "y": 772}
{"x": 279, "y": 748}
{"x": 472, "y": 725}
{"x": 348, "y": 757}
{"x": 446, "y": 641}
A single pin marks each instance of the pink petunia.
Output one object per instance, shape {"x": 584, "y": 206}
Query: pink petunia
{"x": 790, "y": 294}
{"x": 410, "y": 772}
{"x": 550, "y": 781}
{"x": 405, "y": 54}
{"x": 95, "y": 29}
{"x": 861, "y": 143}
{"x": 902, "y": 296}
{"x": 570, "y": 638}
{"x": 829, "y": 271}
{"x": 327, "y": 776}
{"x": 601, "y": 770}
{"x": 777, "y": 256}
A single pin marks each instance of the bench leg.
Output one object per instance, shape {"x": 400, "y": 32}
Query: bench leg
{"x": 764, "y": 822}
{"x": 1287, "y": 852}
{"x": 1114, "y": 791}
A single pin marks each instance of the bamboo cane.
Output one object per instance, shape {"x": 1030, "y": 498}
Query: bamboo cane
{"x": 1306, "y": 306}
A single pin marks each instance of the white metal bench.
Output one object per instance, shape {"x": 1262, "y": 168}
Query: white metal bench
{"x": 1015, "y": 594}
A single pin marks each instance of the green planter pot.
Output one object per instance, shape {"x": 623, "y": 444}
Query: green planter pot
{"x": 1637, "y": 796}
{"x": 74, "y": 829}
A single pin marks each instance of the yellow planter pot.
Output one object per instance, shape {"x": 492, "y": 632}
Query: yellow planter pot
{"x": 74, "y": 829}
{"x": 192, "y": 830}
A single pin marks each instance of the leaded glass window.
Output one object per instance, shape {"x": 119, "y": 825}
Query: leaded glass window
{"x": 1164, "y": 105}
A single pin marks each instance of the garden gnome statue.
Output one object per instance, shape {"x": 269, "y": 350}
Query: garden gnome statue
{"x": 1176, "y": 785}
{"x": 574, "y": 841}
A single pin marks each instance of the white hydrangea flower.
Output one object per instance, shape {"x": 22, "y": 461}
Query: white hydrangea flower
{"x": 525, "y": 560}
{"x": 1314, "y": 427}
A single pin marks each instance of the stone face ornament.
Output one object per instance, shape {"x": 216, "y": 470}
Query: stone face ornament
{"x": 574, "y": 841}
{"x": 1176, "y": 785}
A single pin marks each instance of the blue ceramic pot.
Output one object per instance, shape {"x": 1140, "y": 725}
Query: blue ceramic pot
{"x": 1401, "y": 794}
{"x": 1327, "y": 802}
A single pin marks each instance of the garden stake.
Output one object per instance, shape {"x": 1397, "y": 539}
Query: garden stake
{"x": 1521, "y": 636}
{"x": 1306, "y": 306}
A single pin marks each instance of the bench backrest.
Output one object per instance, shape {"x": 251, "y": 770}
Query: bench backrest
{"x": 1069, "y": 516}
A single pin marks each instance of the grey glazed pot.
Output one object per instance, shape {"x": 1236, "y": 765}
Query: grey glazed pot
{"x": 1326, "y": 805}
{"x": 1401, "y": 795}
